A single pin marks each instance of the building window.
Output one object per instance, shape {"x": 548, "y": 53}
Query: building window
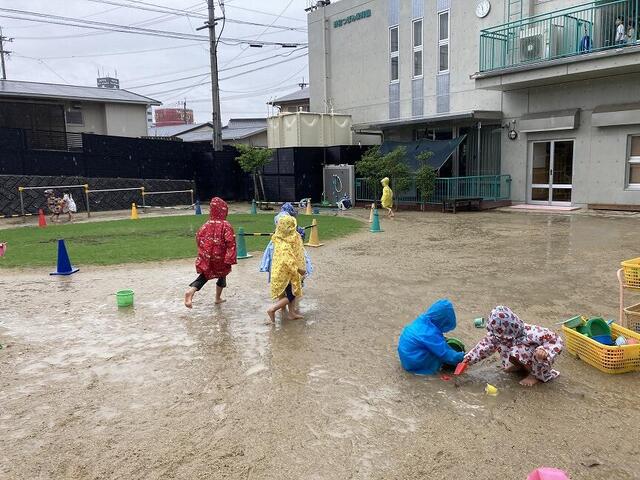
{"x": 633, "y": 168}
{"x": 443, "y": 42}
{"x": 417, "y": 48}
{"x": 394, "y": 52}
{"x": 74, "y": 117}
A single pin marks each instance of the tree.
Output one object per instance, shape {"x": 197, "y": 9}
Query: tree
{"x": 374, "y": 166}
{"x": 425, "y": 177}
{"x": 251, "y": 160}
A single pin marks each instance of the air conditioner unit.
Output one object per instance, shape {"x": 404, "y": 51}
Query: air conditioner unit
{"x": 540, "y": 43}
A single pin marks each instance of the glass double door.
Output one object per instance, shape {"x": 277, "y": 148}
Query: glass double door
{"x": 552, "y": 172}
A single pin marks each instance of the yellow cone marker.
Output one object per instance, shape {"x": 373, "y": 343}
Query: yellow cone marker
{"x": 308, "y": 210}
{"x": 491, "y": 390}
{"x": 134, "y": 212}
{"x": 314, "y": 238}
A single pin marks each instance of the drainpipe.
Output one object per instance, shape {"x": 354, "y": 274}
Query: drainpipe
{"x": 479, "y": 147}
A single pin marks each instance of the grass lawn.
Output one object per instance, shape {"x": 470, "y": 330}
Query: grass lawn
{"x": 144, "y": 240}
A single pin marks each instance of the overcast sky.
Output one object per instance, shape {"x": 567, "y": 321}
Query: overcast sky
{"x": 37, "y": 49}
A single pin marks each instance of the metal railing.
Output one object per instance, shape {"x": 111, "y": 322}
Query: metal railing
{"x": 52, "y": 140}
{"x": 563, "y": 33}
{"x": 486, "y": 187}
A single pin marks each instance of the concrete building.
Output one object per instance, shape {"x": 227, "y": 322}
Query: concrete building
{"x": 51, "y": 109}
{"x": 546, "y": 91}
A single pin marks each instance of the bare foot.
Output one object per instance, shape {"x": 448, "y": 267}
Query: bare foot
{"x": 295, "y": 316}
{"x": 529, "y": 381}
{"x": 220, "y": 300}
{"x": 272, "y": 317}
{"x": 188, "y": 299}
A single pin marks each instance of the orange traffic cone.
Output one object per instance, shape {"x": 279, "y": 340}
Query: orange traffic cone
{"x": 373, "y": 207}
{"x": 308, "y": 210}
{"x": 314, "y": 239}
{"x": 134, "y": 212}
{"x": 42, "y": 220}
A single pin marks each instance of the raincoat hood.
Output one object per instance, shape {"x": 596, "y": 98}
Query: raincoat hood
{"x": 442, "y": 315}
{"x": 385, "y": 181}
{"x": 218, "y": 209}
{"x": 504, "y": 324}
{"x": 422, "y": 347}
{"x": 289, "y": 209}
{"x": 286, "y": 229}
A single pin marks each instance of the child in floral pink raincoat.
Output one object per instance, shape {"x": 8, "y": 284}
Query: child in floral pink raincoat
{"x": 522, "y": 347}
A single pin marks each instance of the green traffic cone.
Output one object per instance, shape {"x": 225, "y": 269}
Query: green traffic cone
{"x": 241, "y": 245}
{"x": 254, "y": 211}
{"x": 375, "y": 225}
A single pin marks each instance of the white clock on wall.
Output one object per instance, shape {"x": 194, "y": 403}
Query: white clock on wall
{"x": 483, "y": 8}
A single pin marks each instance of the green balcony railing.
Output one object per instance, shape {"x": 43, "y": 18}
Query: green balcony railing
{"x": 487, "y": 187}
{"x": 596, "y": 26}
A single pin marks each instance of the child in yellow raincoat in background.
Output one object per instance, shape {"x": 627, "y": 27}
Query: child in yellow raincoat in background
{"x": 287, "y": 267}
{"x": 387, "y": 197}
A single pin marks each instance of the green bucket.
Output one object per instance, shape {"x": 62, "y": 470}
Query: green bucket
{"x": 597, "y": 326}
{"x": 124, "y": 298}
{"x": 456, "y": 344}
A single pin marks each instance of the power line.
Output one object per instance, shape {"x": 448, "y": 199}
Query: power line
{"x": 184, "y": 13}
{"x": 111, "y": 27}
{"x": 232, "y": 76}
{"x": 147, "y": 22}
{"x": 265, "y": 13}
{"x": 183, "y": 70}
{"x": 126, "y": 52}
{"x": 221, "y": 70}
{"x": 261, "y": 34}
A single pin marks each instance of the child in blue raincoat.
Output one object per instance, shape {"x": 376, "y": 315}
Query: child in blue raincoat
{"x": 422, "y": 347}
{"x": 267, "y": 256}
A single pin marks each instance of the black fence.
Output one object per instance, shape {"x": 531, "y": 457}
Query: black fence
{"x": 294, "y": 173}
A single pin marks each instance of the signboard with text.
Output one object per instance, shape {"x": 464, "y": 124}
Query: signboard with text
{"x": 351, "y": 18}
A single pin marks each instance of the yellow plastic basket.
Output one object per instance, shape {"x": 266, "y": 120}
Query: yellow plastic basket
{"x": 606, "y": 359}
{"x": 631, "y": 270}
{"x": 632, "y": 315}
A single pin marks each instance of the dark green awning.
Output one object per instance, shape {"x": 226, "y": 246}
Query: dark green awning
{"x": 442, "y": 151}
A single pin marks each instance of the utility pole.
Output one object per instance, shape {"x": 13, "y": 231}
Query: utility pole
{"x": 4, "y": 52}
{"x": 184, "y": 111}
{"x": 215, "y": 92}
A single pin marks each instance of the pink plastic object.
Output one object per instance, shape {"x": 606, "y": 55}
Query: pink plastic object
{"x": 546, "y": 473}
{"x": 3, "y": 248}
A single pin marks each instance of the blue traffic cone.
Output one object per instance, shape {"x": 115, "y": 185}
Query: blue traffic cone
{"x": 254, "y": 211}
{"x": 241, "y": 250}
{"x": 64, "y": 264}
{"x": 375, "y": 225}
{"x": 198, "y": 208}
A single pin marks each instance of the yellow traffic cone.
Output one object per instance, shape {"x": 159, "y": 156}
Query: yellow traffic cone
{"x": 308, "y": 210}
{"x": 314, "y": 238}
{"x": 373, "y": 207}
{"x": 134, "y": 212}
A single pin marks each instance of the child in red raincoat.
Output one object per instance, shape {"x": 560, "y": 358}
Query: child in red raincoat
{"x": 216, "y": 252}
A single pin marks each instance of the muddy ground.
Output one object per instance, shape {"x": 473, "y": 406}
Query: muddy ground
{"x": 88, "y": 391}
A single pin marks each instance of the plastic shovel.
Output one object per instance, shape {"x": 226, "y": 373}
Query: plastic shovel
{"x": 460, "y": 368}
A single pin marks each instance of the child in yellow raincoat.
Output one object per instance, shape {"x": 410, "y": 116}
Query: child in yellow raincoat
{"x": 387, "y": 197}
{"x": 287, "y": 268}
